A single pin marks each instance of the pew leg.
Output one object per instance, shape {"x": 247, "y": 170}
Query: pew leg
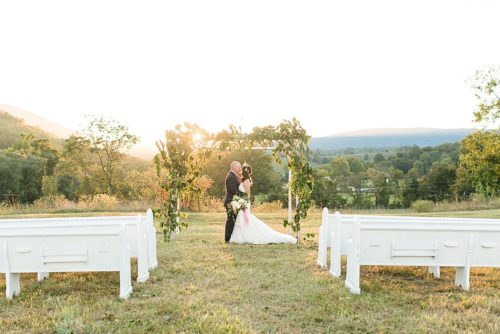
{"x": 352, "y": 276}
{"x": 462, "y": 277}
{"x": 42, "y": 276}
{"x": 322, "y": 249}
{"x": 125, "y": 284}
{"x": 142, "y": 250}
{"x": 435, "y": 271}
{"x": 335, "y": 257}
{"x": 13, "y": 286}
{"x": 152, "y": 259}
{"x": 142, "y": 264}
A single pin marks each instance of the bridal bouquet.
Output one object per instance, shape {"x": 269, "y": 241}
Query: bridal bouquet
{"x": 239, "y": 203}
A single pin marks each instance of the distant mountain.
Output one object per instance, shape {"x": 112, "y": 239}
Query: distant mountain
{"x": 12, "y": 127}
{"x": 382, "y": 138}
{"x": 37, "y": 121}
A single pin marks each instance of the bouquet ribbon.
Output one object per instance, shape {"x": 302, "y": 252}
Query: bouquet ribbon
{"x": 247, "y": 217}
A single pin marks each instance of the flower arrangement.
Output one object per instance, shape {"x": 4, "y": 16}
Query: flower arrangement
{"x": 239, "y": 203}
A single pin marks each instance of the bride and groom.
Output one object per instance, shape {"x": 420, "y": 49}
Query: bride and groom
{"x": 243, "y": 227}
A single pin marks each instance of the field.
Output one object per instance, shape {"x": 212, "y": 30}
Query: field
{"x": 203, "y": 285}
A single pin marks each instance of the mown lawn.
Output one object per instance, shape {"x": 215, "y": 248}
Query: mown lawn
{"x": 205, "y": 286}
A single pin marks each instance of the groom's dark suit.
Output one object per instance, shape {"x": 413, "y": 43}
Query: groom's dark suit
{"x": 232, "y": 184}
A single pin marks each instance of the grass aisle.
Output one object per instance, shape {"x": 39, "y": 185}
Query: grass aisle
{"x": 204, "y": 285}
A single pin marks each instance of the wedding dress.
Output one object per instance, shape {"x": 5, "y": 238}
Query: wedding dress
{"x": 250, "y": 229}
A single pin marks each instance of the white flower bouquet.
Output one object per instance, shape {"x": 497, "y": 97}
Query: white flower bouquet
{"x": 239, "y": 203}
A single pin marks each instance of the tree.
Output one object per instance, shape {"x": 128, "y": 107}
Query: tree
{"x": 79, "y": 161}
{"x": 29, "y": 146}
{"x": 480, "y": 156}
{"x": 436, "y": 185}
{"x": 378, "y": 158}
{"x": 35, "y": 160}
{"x": 109, "y": 140}
{"x": 68, "y": 185}
{"x": 486, "y": 86}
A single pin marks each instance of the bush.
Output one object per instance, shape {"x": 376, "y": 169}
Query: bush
{"x": 422, "y": 206}
{"x": 52, "y": 202}
{"x": 268, "y": 207}
{"x": 103, "y": 202}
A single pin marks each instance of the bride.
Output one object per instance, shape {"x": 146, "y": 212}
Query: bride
{"x": 250, "y": 229}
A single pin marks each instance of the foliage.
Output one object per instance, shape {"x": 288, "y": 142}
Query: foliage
{"x": 486, "y": 87}
{"x": 68, "y": 184}
{"x": 480, "y": 157}
{"x": 11, "y": 129}
{"x": 422, "y": 206}
{"x": 108, "y": 141}
{"x": 181, "y": 156}
{"x": 22, "y": 167}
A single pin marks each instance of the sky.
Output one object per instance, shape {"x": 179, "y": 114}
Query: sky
{"x": 335, "y": 65}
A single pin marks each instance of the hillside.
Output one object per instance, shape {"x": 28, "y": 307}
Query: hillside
{"x": 383, "y": 138}
{"x": 35, "y": 120}
{"x": 12, "y": 127}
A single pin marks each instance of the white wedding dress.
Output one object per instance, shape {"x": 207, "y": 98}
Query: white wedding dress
{"x": 249, "y": 229}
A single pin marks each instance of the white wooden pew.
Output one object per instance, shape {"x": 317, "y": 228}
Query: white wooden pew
{"x": 440, "y": 244}
{"x": 140, "y": 235}
{"x": 24, "y": 249}
{"x": 336, "y": 230}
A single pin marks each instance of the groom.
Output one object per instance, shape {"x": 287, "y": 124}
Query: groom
{"x": 232, "y": 184}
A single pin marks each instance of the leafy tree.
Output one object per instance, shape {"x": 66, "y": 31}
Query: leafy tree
{"x": 10, "y": 176}
{"x": 378, "y": 158}
{"x": 340, "y": 167}
{"x": 356, "y": 166}
{"x": 464, "y": 184}
{"x": 486, "y": 87}
{"x": 109, "y": 140}
{"x": 436, "y": 185}
{"x": 480, "y": 156}
{"x": 78, "y": 160}
{"x": 29, "y": 146}
{"x": 68, "y": 185}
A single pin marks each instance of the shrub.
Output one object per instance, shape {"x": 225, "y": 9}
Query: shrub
{"x": 422, "y": 206}
{"x": 52, "y": 202}
{"x": 103, "y": 202}
{"x": 268, "y": 207}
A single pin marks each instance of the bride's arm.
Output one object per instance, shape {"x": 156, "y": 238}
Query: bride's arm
{"x": 247, "y": 185}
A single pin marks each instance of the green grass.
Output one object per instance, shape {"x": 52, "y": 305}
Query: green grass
{"x": 203, "y": 285}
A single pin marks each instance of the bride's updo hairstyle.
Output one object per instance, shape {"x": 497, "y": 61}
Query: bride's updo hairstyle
{"x": 246, "y": 170}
